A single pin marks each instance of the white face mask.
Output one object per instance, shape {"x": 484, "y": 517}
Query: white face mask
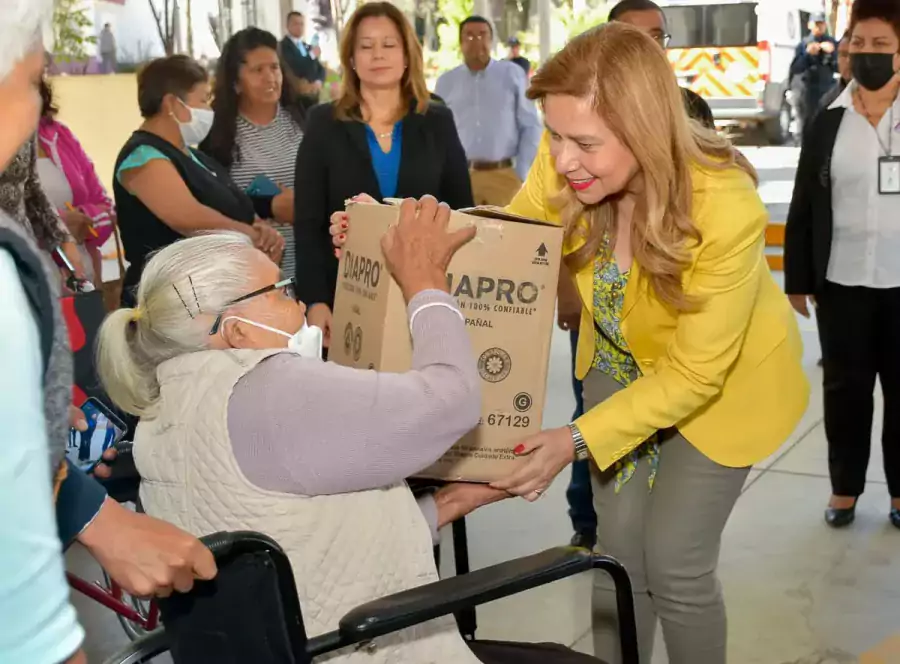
{"x": 195, "y": 130}
{"x": 306, "y": 342}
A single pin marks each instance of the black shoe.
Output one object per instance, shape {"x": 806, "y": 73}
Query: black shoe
{"x": 584, "y": 540}
{"x": 840, "y": 517}
{"x": 895, "y": 517}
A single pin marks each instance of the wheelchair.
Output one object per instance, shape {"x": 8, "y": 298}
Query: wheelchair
{"x": 210, "y": 624}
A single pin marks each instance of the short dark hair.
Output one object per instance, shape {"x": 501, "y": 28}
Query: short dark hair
{"x": 882, "y": 10}
{"x": 176, "y": 75}
{"x": 475, "y": 19}
{"x": 626, "y": 6}
{"x": 292, "y": 15}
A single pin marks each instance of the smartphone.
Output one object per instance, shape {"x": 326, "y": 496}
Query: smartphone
{"x": 105, "y": 429}
{"x": 315, "y": 40}
{"x": 263, "y": 186}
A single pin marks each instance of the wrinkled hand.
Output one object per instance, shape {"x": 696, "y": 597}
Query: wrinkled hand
{"x": 801, "y": 303}
{"x": 548, "y": 452}
{"x": 456, "y": 500}
{"x": 419, "y": 248}
{"x": 320, "y": 316}
{"x": 283, "y": 206}
{"x": 144, "y": 555}
{"x": 78, "y": 223}
{"x": 268, "y": 240}
{"x": 340, "y": 223}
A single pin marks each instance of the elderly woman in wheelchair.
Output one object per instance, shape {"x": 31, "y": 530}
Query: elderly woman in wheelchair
{"x": 243, "y": 427}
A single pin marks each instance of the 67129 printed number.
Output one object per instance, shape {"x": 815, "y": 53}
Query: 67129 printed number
{"x": 501, "y": 420}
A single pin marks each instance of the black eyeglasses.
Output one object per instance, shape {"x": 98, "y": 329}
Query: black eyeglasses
{"x": 287, "y": 286}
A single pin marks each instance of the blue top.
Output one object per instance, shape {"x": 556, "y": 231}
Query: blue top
{"x": 494, "y": 119}
{"x": 39, "y": 625}
{"x": 386, "y": 164}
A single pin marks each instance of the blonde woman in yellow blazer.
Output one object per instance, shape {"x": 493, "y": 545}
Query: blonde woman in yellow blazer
{"x": 689, "y": 351}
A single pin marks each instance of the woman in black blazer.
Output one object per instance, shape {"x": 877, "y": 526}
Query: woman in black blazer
{"x": 383, "y": 137}
{"x": 842, "y": 254}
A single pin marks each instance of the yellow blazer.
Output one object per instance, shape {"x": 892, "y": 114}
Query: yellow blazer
{"x": 728, "y": 375}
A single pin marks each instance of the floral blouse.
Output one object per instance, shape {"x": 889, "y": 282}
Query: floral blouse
{"x": 611, "y": 354}
{"x": 22, "y": 198}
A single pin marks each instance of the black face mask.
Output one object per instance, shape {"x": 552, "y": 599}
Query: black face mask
{"x": 872, "y": 70}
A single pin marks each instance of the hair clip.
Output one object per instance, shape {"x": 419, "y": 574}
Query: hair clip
{"x": 196, "y": 299}
{"x": 186, "y": 308}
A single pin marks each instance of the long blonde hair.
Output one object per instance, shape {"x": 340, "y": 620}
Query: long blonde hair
{"x": 182, "y": 289}
{"x": 630, "y": 83}
{"x": 413, "y": 88}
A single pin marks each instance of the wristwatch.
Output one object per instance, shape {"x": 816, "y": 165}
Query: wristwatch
{"x": 581, "y": 448}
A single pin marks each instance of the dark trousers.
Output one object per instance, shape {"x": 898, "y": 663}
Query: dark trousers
{"x": 860, "y": 333}
{"x": 579, "y": 494}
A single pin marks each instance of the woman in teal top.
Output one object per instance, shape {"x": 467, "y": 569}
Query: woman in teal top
{"x": 164, "y": 189}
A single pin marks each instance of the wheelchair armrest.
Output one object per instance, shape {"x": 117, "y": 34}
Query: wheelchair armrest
{"x": 424, "y": 603}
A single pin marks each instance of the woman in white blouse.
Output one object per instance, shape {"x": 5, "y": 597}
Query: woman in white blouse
{"x": 842, "y": 254}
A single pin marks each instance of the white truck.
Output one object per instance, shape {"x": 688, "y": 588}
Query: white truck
{"x": 737, "y": 56}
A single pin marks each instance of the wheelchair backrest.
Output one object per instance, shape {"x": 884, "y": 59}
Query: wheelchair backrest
{"x": 249, "y": 613}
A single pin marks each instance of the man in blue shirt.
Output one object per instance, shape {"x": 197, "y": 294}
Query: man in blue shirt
{"x": 498, "y": 126}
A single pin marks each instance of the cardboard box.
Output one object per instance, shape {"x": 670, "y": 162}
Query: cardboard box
{"x": 505, "y": 281}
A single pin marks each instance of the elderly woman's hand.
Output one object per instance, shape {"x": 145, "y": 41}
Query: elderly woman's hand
{"x": 548, "y": 453}
{"x": 268, "y": 240}
{"x": 456, "y": 500}
{"x": 340, "y": 223}
{"x": 419, "y": 248}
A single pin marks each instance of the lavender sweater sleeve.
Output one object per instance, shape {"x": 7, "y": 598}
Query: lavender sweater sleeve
{"x": 309, "y": 427}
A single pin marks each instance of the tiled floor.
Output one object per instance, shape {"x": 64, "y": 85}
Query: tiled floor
{"x": 797, "y": 592}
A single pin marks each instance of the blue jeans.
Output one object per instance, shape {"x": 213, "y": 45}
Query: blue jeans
{"x": 579, "y": 493}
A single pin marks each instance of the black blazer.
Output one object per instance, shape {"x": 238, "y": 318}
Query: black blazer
{"x": 334, "y": 164}
{"x": 302, "y": 66}
{"x": 807, "y": 240}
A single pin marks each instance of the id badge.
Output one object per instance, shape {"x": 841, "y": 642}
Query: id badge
{"x": 889, "y": 175}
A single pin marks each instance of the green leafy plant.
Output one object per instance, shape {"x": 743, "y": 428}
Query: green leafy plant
{"x": 70, "y": 25}
{"x": 451, "y": 13}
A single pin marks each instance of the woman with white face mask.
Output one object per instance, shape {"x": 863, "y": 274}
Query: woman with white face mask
{"x": 165, "y": 189}
{"x": 243, "y": 427}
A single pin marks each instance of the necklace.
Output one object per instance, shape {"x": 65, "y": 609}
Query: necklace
{"x": 383, "y": 135}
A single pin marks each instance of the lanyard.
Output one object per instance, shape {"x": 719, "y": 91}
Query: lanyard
{"x": 889, "y": 150}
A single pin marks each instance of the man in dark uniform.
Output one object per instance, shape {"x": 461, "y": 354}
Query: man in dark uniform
{"x": 813, "y": 69}
{"x": 515, "y": 54}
